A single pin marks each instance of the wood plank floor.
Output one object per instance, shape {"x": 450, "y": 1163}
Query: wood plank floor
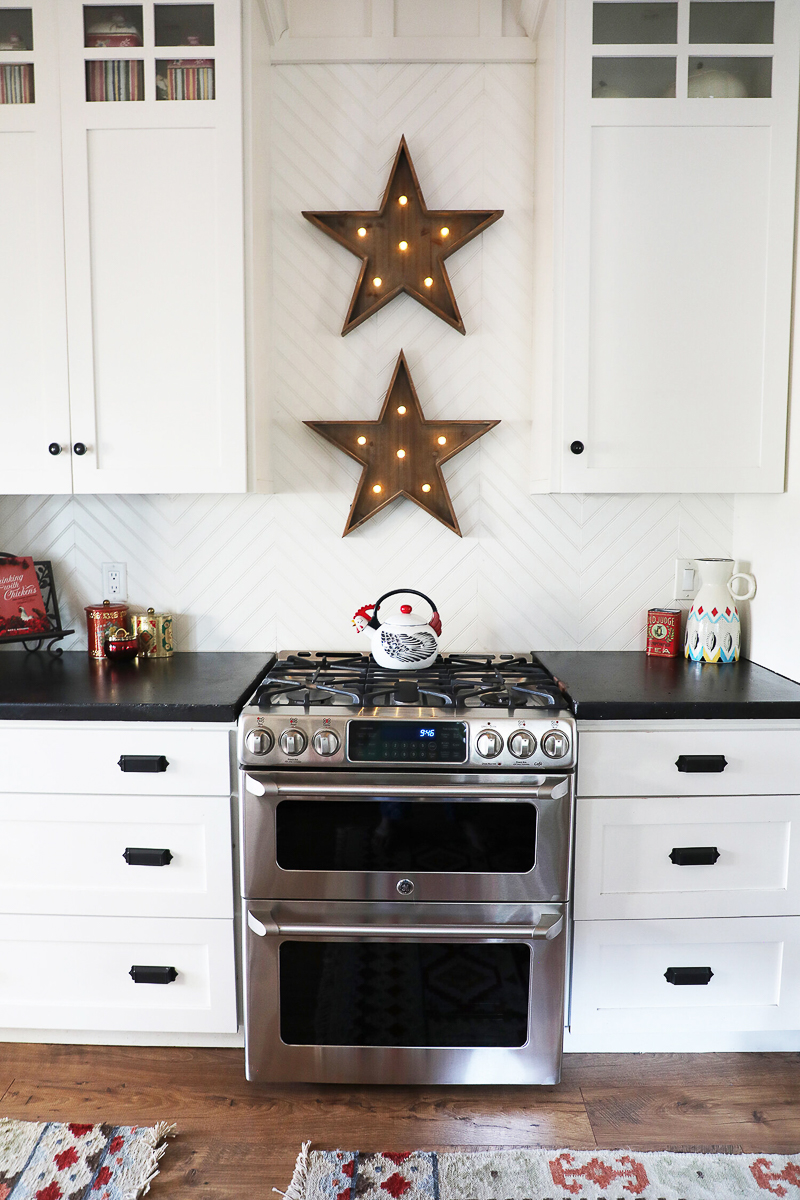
{"x": 236, "y": 1140}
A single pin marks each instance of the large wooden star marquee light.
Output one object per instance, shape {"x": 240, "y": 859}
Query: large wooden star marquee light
{"x": 401, "y": 453}
{"x": 403, "y": 246}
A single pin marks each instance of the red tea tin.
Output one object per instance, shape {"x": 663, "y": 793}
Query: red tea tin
{"x": 663, "y": 632}
{"x": 100, "y": 620}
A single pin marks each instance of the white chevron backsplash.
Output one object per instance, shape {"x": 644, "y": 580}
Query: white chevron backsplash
{"x": 262, "y": 572}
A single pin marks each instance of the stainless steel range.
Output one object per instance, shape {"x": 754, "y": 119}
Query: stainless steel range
{"x": 406, "y": 849}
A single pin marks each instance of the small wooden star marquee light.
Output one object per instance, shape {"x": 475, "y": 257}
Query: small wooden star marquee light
{"x": 403, "y": 246}
{"x": 401, "y": 453}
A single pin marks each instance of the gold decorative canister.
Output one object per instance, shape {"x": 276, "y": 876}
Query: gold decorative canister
{"x": 154, "y": 633}
{"x": 101, "y": 619}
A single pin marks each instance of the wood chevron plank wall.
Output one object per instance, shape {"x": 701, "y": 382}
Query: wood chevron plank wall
{"x": 259, "y": 572}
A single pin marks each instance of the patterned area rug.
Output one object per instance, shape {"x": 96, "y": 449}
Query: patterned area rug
{"x": 542, "y": 1175}
{"x": 46, "y": 1161}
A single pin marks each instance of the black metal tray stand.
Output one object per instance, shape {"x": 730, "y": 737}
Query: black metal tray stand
{"x": 44, "y": 577}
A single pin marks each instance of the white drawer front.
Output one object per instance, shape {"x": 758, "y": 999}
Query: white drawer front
{"x": 83, "y": 758}
{"x": 623, "y": 867}
{"x": 642, "y": 762}
{"x": 619, "y": 984}
{"x": 73, "y": 973}
{"x": 65, "y": 854}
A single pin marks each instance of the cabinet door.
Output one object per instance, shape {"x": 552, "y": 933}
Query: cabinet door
{"x": 679, "y": 178}
{"x": 34, "y": 400}
{"x": 627, "y": 992}
{"x": 75, "y": 973}
{"x": 139, "y": 856}
{"x": 154, "y": 245}
{"x": 687, "y": 856}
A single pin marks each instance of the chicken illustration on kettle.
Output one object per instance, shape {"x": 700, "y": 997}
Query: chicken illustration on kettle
{"x": 403, "y": 640}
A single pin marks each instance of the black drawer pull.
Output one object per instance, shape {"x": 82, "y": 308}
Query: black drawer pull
{"x": 694, "y": 856}
{"x": 148, "y": 763}
{"x": 707, "y": 763}
{"x": 688, "y": 975}
{"x": 153, "y": 974}
{"x": 146, "y": 856}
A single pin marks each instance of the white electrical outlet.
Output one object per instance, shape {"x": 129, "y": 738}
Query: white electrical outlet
{"x": 115, "y": 582}
{"x": 686, "y": 579}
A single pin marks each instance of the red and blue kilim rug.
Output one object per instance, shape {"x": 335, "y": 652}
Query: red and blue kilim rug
{"x": 49, "y": 1161}
{"x": 521, "y": 1174}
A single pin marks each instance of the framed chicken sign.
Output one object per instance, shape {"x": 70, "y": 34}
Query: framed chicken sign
{"x": 22, "y": 608}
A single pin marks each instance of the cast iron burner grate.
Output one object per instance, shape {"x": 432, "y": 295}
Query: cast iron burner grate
{"x": 454, "y": 681}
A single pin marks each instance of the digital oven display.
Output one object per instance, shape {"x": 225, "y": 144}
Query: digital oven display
{"x": 407, "y": 741}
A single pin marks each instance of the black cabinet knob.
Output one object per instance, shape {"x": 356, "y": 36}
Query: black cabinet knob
{"x": 54, "y": 448}
{"x": 147, "y": 856}
{"x": 704, "y": 763}
{"x": 147, "y": 763}
{"x": 694, "y": 856}
{"x": 79, "y": 448}
{"x": 577, "y": 447}
{"x": 140, "y": 974}
{"x": 689, "y": 976}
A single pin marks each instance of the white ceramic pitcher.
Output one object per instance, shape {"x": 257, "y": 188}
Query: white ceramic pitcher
{"x": 713, "y": 628}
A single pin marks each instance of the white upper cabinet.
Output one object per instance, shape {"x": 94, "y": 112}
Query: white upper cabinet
{"x": 140, "y": 300}
{"x": 34, "y": 397}
{"x": 672, "y": 161}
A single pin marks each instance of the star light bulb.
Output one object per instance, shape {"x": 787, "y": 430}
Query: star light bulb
{"x": 362, "y": 232}
{"x": 426, "y": 487}
{"x": 442, "y": 441}
{"x": 362, "y": 441}
{"x": 402, "y": 245}
{"x": 403, "y": 201}
{"x": 401, "y": 409}
{"x": 377, "y": 488}
{"x": 377, "y": 281}
{"x": 428, "y": 281}
{"x": 444, "y": 231}
{"x": 401, "y": 453}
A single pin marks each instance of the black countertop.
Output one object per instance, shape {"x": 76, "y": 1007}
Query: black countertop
{"x": 75, "y": 687}
{"x": 628, "y": 685}
{"x": 601, "y": 685}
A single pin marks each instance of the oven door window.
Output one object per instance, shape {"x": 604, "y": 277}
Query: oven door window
{"x": 404, "y": 993}
{"x": 406, "y": 835}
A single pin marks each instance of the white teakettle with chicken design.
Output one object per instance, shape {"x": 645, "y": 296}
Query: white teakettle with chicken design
{"x": 403, "y": 640}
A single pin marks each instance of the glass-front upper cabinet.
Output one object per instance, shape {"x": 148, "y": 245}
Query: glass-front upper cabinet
{"x": 140, "y": 69}
{"x": 700, "y": 49}
{"x": 16, "y": 38}
{"x": 674, "y": 167}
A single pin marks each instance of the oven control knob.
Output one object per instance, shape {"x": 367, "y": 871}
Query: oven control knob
{"x": 555, "y": 744}
{"x": 292, "y": 741}
{"x": 489, "y": 743}
{"x": 259, "y": 741}
{"x": 522, "y": 744}
{"x": 325, "y": 742}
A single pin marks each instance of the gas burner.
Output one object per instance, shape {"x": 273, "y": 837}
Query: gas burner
{"x": 461, "y": 681}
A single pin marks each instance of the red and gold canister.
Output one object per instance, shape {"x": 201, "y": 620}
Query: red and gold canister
{"x": 154, "y": 633}
{"x": 100, "y": 620}
{"x": 663, "y": 632}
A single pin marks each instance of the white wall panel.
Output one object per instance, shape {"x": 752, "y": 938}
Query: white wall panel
{"x": 258, "y": 572}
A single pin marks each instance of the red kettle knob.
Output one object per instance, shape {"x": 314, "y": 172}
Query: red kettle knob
{"x": 405, "y": 608}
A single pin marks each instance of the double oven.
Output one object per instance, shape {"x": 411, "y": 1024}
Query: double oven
{"x": 405, "y": 893}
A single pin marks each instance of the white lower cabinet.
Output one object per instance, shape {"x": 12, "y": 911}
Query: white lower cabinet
{"x": 75, "y": 973}
{"x": 117, "y": 855}
{"x": 687, "y": 888}
{"x": 637, "y": 857}
{"x": 621, "y": 990}
{"x": 116, "y": 883}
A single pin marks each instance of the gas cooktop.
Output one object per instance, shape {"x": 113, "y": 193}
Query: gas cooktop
{"x": 455, "y": 681}
{"x": 327, "y": 709}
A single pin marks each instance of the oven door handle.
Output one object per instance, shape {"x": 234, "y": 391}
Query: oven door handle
{"x": 548, "y": 926}
{"x": 488, "y": 791}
